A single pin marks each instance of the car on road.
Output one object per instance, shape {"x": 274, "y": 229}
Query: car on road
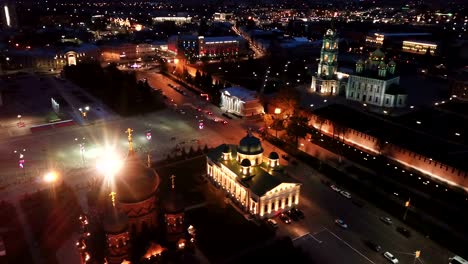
{"x": 335, "y": 188}
{"x": 182, "y": 111}
{"x": 403, "y": 231}
{"x": 373, "y": 246}
{"x": 346, "y": 194}
{"x": 386, "y": 220}
{"x": 297, "y": 212}
{"x": 272, "y": 223}
{"x": 341, "y": 223}
{"x": 390, "y": 257}
{"x": 285, "y": 218}
{"x": 292, "y": 215}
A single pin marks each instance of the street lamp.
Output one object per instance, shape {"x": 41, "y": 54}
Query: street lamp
{"x": 84, "y": 111}
{"x": 277, "y": 113}
{"x": 20, "y": 122}
{"x": 21, "y": 159}
{"x": 82, "y": 149}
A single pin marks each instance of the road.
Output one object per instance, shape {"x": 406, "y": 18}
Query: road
{"x": 320, "y": 204}
{"x": 258, "y": 52}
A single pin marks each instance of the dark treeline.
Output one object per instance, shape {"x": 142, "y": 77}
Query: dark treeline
{"x": 119, "y": 90}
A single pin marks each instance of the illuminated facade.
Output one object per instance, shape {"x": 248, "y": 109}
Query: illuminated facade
{"x": 327, "y": 82}
{"x": 419, "y": 47}
{"x": 255, "y": 183}
{"x": 375, "y": 83}
{"x": 136, "y": 187}
{"x": 119, "y": 52}
{"x": 375, "y": 40}
{"x": 46, "y": 59}
{"x": 178, "y": 20}
{"x": 197, "y": 47}
{"x": 240, "y": 101}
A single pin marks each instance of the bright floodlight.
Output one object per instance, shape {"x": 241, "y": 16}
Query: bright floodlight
{"x": 109, "y": 164}
{"x": 51, "y": 177}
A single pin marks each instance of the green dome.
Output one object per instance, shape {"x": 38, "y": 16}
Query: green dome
{"x": 245, "y": 163}
{"x": 226, "y": 149}
{"x": 250, "y": 145}
{"x": 378, "y": 54}
{"x": 273, "y": 155}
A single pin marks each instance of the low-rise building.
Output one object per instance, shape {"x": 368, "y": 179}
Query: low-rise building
{"x": 50, "y": 59}
{"x": 255, "y": 183}
{"x": 419, "y": 47}
{"x": 241, "y": 101}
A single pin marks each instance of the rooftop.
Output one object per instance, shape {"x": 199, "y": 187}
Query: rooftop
{"x": 261, "y": 180}
{"x": 437, "y": 134}
{"x": 240, "y": 92}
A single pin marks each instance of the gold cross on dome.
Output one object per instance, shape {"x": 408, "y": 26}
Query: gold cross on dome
{"x": 173, "y": 181}
{"x": 112, "y": 195}
{"x": 130, "y": 139}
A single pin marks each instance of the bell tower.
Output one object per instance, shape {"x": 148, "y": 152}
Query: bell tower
{"x": 328, "y": 55}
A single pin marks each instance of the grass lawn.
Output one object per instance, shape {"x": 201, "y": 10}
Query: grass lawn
{"x": 224, "y": 232}
{"x": 187, "y": 179}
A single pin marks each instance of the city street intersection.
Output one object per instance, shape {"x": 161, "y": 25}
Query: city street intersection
{"x": 317, "y": 234}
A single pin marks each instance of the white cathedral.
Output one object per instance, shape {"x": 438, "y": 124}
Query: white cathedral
{"x": 376, "y": 83}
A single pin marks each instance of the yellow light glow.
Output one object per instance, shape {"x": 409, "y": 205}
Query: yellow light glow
{"x": 277, "y": 111}
{"x": 51, "y": 177}
{"x": 110, "y": 164}
{"x": 176, "y": 61}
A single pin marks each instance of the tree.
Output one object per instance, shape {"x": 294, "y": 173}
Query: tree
{"x": 287, "y": 99}
{"x": 297, "y": 127}
{"x": 273, "y": 122}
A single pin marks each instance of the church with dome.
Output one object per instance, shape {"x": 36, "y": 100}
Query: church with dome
{"x": 128, "y": 223}
{"x": 375, "y": 82}
{"x": 255, "y": 183}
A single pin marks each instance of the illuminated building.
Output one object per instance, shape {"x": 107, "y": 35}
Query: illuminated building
{"x": 136, "y": 188}
{"x": 8, "y": 15}
{"x": 375, "y": 83}
{"x": 241, "y": 101}
{"x": 327, "y": 82}
{"x": 50, "y": 59}
{"x": 178, "y": 20}
{"x": 198, "y": 46}
{"x": 116, "y": 51}
{"x": 222, "y": 16}
{"x": 377, "y": 40}
{"x": 419, "y": 47}
{"x": 115, "y": 227}
{"x": 174, "y": 217}
{"x": 126, "y": 210}
{"x": 255, "y": 183}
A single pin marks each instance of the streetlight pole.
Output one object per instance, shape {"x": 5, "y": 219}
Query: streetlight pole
{"x": 81, "y": 144}
{"x": 277, "y": 113}
{"x": 407, "y": 205}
